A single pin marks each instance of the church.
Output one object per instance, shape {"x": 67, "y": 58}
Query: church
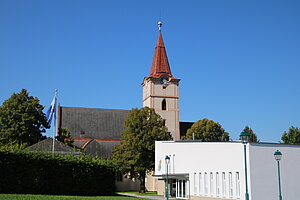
{"x": 97, "y": 131}
{"x": 186, "y": 169}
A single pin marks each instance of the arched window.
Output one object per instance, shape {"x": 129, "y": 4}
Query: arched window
{"x": 164, "y": 105}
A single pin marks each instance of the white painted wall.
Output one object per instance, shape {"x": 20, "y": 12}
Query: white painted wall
{"x": 200, "y": 157}
{"x": 211, "y": 157}
{"x": 264, "y": 180}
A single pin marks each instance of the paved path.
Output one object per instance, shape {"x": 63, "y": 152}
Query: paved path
{"x": 140, "y": 196}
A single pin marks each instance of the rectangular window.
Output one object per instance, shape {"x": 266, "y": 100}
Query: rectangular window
{"x": 230, "y": 185}
{"x": 211, "y": 183}
{"x": 200, "y": 184}
{"x": 238, "y": 191}
{"x": 179, "y": 189}
{"x": 184, "y": 188}
{"x": 195, "y": 184}
{"x": 205, "y": 184}
{"x": 223, "y": 184}
{"x": 217, "y": 184}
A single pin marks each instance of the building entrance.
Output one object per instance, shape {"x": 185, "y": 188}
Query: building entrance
{"x": 182, "y": 188}
{"x": 178, "y": 188}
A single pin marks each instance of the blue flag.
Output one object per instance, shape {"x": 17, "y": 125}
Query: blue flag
{"x": 51, "y": 111}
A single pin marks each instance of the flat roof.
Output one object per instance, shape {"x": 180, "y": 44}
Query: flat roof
{"x": 230, "y": 142}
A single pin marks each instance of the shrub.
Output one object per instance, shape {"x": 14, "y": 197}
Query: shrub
{"x": 44, "y": 173}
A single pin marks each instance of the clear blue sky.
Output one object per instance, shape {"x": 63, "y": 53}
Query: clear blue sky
{"x": 239, "y": 61}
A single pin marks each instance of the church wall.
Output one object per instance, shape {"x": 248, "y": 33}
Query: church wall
{"x": 146, "y": 90}
{"x": 161, "y": 190}
{"x": 127, "y": 185}
{"x": 171, "y": 103}
{"x": 170, "y": 90}
{"x": 171, "y": 118}
{"x": 147, "y": 103}
{"x": 153, "y": 96}
{"x": 150, "y": 183}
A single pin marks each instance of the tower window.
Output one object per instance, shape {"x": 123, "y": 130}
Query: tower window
{"x": 164, "y": 105}
{"x": 164, "y": 122}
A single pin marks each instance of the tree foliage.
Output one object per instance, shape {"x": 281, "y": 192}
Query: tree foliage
{"x": 207, "y": 131}
{"x": 292, "y": 136}
{"x": 22, "y": 120}
{"x": 64, "y": 136}
{"x": 253, "y": 137}
{"x": 136, "y": 153}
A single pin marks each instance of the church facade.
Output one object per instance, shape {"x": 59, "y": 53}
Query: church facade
{"x": 99, "y": 130}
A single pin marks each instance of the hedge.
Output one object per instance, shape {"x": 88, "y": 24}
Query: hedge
{"x": 40, "y": 173}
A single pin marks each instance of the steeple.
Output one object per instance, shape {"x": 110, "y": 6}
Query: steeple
{"x": 160, "y": 64}
{"x": 160, "y": 89}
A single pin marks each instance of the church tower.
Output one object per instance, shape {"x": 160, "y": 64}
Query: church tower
{"x": 160, "y": 89}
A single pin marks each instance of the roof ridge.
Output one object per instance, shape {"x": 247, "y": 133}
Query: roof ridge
{"x": 87, "y": 143}
{"x": 95, "y": 108}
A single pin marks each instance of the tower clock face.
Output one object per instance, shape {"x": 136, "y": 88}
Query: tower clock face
{"x": 165, "y": 81}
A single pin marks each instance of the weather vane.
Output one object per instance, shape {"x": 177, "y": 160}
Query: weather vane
{"x": 159, "y": 25}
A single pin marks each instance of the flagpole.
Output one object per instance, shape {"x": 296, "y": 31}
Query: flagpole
{"x": 54, "y": 131}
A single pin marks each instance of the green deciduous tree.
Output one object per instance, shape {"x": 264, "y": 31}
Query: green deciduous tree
{"x": 64, "y": 135}
{"x": 135, "y": 155}
{"x": 22, "y": 120}
{"x": 292, "y": 136}
{"x": 207, "y": 131}
{"x": 253, "y": 137}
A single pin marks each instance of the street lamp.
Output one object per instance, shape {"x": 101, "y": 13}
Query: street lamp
{"x": 278, "y": 156}
{"x": 167, "y": 159}
{"x": 244, "y": 137}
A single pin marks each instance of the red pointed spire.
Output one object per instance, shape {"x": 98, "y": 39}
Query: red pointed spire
{"x": 160, "y": 63}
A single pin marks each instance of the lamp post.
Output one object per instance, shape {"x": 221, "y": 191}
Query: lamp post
{"x": 278, "y": 156}
{"x": 244, "y": 137}
{"x": 167, "y": 184}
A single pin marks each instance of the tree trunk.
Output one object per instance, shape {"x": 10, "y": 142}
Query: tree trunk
{"x": 142, "y": 180}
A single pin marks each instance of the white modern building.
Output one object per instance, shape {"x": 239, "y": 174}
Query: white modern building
{"x": 216, "y": 170}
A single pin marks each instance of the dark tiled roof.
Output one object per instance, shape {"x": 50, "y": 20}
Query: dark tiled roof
{"x": 102, "y": 128}
{"x": 79, "y": 143}
{"x": 94, "y": 123}
{"x": 184, "y": 126}
{"x": 46, "y": 146}
{"x": 97, "y": 147}
{"x": 102, "y": 149}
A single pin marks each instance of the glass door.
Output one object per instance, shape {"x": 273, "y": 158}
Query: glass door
{"x": 181, "y": 188}
{"x": 173, "y": 188}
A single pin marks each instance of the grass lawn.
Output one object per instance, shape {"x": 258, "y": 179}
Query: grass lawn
{"x": 58, "y": 197}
